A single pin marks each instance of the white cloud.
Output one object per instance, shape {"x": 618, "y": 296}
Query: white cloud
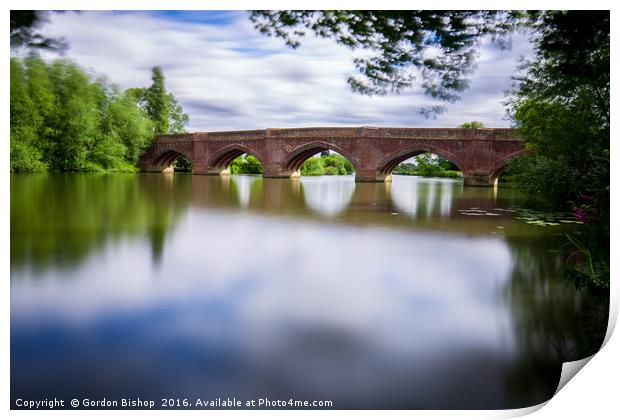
{"x": 228, "y": 76}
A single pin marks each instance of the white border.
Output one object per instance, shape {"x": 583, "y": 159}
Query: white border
{"x": 594, "y": 393}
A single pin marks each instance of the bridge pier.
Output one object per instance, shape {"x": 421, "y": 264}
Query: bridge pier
{"x": 479, "y": 179}
{"x": 371, "y": 175}
{"x": 276, "y": 171}
{"x": 199, "y": 168}
{"x": 155, "y": 168}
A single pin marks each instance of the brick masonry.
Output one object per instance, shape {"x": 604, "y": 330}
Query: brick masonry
{"x": 480, "y": 153}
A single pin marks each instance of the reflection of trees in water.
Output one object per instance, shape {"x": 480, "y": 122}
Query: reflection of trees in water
{"x": 429, "y": 198}
{"x": 246, "y": 188}
{"x": 59, "y": 219}
{"x": 166, "y": 203}
{"x": 239, "y": 192}
{"x": 553, "y": 322}
{"x": 275, "y": 196}
{"x": 327, "y": 198}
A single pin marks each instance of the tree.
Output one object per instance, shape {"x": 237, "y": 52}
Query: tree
{"x": 161, "y": 106}
{"x": 75, "y": 119}
{"x": 63, "y": 119}
{"x": 561, "y": 108}
{"x": 333, "y": 165}
{"x": 130, "y": 125}
{"x": 246, "y": 164}
{"x": 164, "y": 111}
{"x": 327, "y": 164}
{"x": 25, "y": 122}
{"x": 178, "y": 119}
{"x": 471, "y": 124}
{"x": 437, "y": 47}
{"x": 561, "y": 105}
{"x": 427, "y": 164}
{"x": 157, "y": 102}
{"x": 312, "y": 166}
{"x": 24, "y": 31}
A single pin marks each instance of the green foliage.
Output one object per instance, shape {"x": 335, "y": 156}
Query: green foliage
{"x": 561, "y": 108}
{"x": 64, "y": 120}
{"x": 451, "y": 174}
{"x": 330, "y": 170}
{"x": 471, "y": 124}
{"x": 334, "y": 165}
{"x": 26, "y": 156}
{"x": 313, "y": 167}
{"x": 178, "y": 119}
{"x": 586, "y": 272}
{"x": 75, "y": 118}
{"x": 550, "y": 182}
{"x": 348, "y": 166}
{"x": 429, "y": 165}
{"x": 130, "y": 125}
{"x": 246, "y": 164}
{"x": 328, "y": 164}
{"x": 160, "y": 105}
{"x": 406, "y": 168}
{"x": 24, "y": 31}
{"x": 182, "y": 164}
{"x": 440, "y": 46}
{"x": 157, "y": 102}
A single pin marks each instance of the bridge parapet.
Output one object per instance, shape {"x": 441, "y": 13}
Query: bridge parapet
{"x": 492, "y": 134}
{"x": 233, "y": 135}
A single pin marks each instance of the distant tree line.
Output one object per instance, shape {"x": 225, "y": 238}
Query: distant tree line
{"x": 246, "y": 164}
{"x": 64, "y": 119}
{"x": 428, "y": 164}
{"x": 327, "y": 164}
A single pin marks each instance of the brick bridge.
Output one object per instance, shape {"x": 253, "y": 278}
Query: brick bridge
{"x": 480, "y": 154}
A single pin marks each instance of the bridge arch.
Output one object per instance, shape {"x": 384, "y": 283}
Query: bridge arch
{"x": 373, "y": 152}
{"x": 500, "y": 167}
{"x": 224, "y": 156}
{"x": 387, "y": 165}
{"x": 167, "y": 157}
{"x": 293, "y": 161}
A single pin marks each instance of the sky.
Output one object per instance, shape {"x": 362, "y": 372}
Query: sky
{"x": 227, "y": 76}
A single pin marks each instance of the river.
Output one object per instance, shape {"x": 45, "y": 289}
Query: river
{"x": 415, "y": 294}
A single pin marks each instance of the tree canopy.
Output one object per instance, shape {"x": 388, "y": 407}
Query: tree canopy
{"x": 24, "y": 31}
{"x": 471, "y": 124}
{"x": 561, "y": 107}
{"x": 160, "y": 105}
{"x": 438, "y": 49}
{"x": 327, "y": 164}
{"x": 63, "y": 119}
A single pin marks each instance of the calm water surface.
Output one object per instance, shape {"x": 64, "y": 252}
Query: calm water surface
{"x": 421, "y": 293}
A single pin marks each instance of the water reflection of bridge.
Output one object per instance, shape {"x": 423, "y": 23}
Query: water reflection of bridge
{"x": 424, "y": 203}
{"x": 101, "y": 207}
{"x": 63, "y": 221}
